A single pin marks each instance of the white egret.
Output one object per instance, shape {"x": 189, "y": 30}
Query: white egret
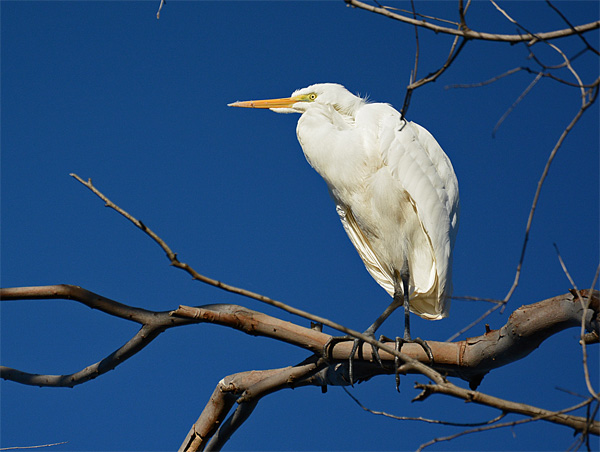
{"x": 395, "y": 191}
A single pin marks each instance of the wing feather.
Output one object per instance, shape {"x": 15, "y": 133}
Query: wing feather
{"x": 362, "y": 245}
{"x": 418, "y": 162}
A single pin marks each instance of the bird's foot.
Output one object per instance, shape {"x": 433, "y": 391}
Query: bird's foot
{"x": 357, "y": 345}
{"x": 399, "y": 343}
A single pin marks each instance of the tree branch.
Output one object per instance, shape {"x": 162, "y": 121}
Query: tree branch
{"x": 472, "y": 34}
{"x": 576, "y": 422}
{"x": 496, "y": 426}
{"x": 470, "y": 359}
{"x": 153, "y": 323}
{"x": 172, "y": 256}
{"x": 586, "y": 103}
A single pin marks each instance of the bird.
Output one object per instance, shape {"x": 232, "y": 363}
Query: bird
{"x": 394, "y": 189}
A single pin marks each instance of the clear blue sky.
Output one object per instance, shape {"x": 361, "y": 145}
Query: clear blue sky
{"x": 104, "y": 90}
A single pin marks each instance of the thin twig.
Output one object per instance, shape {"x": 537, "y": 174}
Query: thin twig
{"x": 573, "y": 393}
{"x": 516, "y": 102}
{"x": 413, "y": 75}
{"x": 461, "y": 15}
{"x": 32, "y": 447}
{"x": 422, "y": 419}
{"x": 468, "y": 298}
{"x": 415, "y": 15}
{"x": 486, "y": 82}
{"x": 476, "y": 321}
{"x": 562, "y": 16}
{"x": 162, "y": 3}
{"x": 518, "y": 69}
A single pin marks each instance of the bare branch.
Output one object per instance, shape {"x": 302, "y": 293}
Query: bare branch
{"x": 411, "y": 363}
{"x": 470, "y": 359}
{"x": 587, "y": 44}
{"x": 487, "y": 82}
{"x": 422, "y": 419}
{"x": 416, "y": 14}
{"x": 315, "y": 371}
{"x": 518, "y": 69}
{"x": 576, "y": 422}
{"x": 468, "y": 298}
{"x": 413, "y": 75}
{"x": 496, "y": 426}
{"x": 587, "y": 101}
{"x": 153, "y": 324}
{"x": 472, "y": 34}
{"x": 213, "y": 282}
{"x": 432, "y": 77}
{"x": 566, "y": 63}
{"x": 209, "y": 432}
{"x": 584, "y": 305}
{"x": 520, "y": 329}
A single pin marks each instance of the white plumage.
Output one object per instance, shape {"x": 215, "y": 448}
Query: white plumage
{"x": 394, "y": 188}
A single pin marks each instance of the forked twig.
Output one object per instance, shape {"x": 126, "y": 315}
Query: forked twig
{"x": 422, "y": 419}
{"x": 433, "y": 76}
{"x": 505, "y": 424}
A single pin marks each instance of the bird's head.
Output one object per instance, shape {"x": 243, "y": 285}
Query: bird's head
{"x": 331, "y": 94}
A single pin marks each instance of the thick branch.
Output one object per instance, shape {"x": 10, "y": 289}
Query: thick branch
{"x": 211, "y": 433}
{"x": 470, "y": 359}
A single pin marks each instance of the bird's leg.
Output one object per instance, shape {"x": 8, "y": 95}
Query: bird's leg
{"x": 327, "y": 349}
{"x": 404, "y": 279}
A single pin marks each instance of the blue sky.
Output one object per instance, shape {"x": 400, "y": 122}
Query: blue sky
{"x": 104, "y": 90}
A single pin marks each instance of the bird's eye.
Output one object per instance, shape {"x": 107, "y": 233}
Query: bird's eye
{"x": 312, "y": 96}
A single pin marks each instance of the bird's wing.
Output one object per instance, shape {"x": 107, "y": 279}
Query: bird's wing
{"x": 418, "y": 162}
{"x": 362, "y": 245}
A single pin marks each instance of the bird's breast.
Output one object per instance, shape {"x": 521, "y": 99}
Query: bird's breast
{"x": 339, "y": 156}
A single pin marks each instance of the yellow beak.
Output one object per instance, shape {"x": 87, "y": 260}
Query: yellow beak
{"x": 286, "y": 102}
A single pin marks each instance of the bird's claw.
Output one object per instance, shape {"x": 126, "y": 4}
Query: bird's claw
{"x": 399, "y": 343}
{"x": 357, "y": 345}
{"x": 426, "y": 348}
